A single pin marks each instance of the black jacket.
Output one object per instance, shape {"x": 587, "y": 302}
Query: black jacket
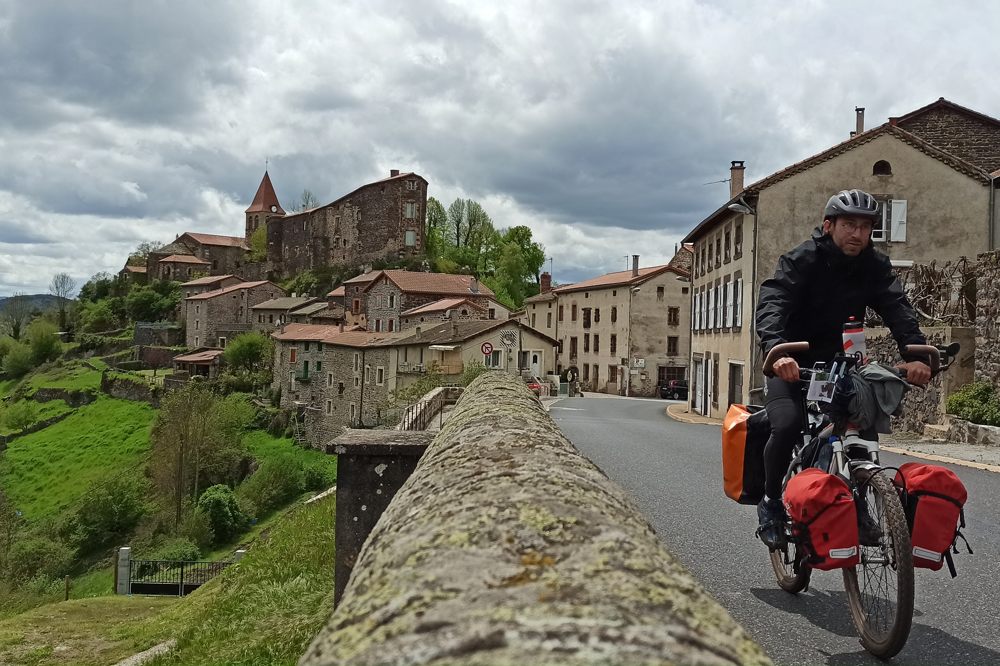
{"x": 816, "y": 288}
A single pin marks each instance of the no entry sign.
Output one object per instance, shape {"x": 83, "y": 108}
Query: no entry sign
{"x": 487, "y": 349}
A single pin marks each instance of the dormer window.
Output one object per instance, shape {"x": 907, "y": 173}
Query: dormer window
{"x": 882, "y": 168}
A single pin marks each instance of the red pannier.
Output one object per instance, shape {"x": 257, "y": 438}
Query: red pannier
{"x": 824, "y": 516}
{"x": 933, "y": 497}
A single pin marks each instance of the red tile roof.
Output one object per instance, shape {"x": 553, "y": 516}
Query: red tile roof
{"x": 415, "y": 282}
{"x": 215, "y": 239}
{"x": 363, "y": 278}
{"x": 339, "y": 291}
{"x": 200, "y": 357}
{"x": 265, "y": 198}
{"x": 441, "y": 306}
{"x": 226, "y": 290}
{"x": 618, "y": 279}
{"x": 295, "y": 332}
{"x": 184, "y": 259}
{"x": 134, "y": 269}
{"x": 209, "y": 279}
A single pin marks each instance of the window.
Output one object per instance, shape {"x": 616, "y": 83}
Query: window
{"x": 357, "y": 361}
{"x": 379, "y": 375}
{"x": 410, "y": 238}
{"x": 392, "y": 326}
{"x": 411, "y": 184}
{"x": 493, "y": 314}
{"x": 738, "y": 240}
{"x": 586, "y": 318}
{"x": 409, "y": 210}
{"x": 659, "y": 294}
{"x": 270, "y": 319}
{"x": 586, "y": 372}
{"x": 222, "y": 342}
{"x": 725, "y": 246}
{"x": 718, "y": 251}
{"x": 614, "y": 344}
{"x": 597, "y": 371}
{"x": 715, "y": 379}
{"x": 492, "y": 360}
{"x": 673, "y": 316}
{"x": 881, "y": 168}
{"x": 305, "y": 347}
{"x": 614, "y": 314}
{"x": 356, "y": 306}
{"x": 711, "y": 245}
{"x": 357, "y": 382}
{"x": 329, "y": 378}
{"x": 560, "y": 313}
{"x": 196, "y": 341}
{"x": 572, "y": 346}
{"x": 319, "y": 365}
{"x": 672, "y": 345}
{"x": 597, "y": 343}
{"x": 548, "y": 320}
{"x": 340, "y": 388}
{"x": 305, "y": 368}
{"x": 260, "y": 319}
{"x": 293, "y": 354}
{"x": 738, "y": 303}
{"x": 353, "y": 413}
{"x": 196, "y": 324}
{"x": 612, "y": 374}
{"x": 392, "y": 300}
{"x": 572, "y": 312}
{"x": 378, "y": 325}
{"x": 586, "y": 343}
{"x": 368, "y": 373}
{"x": 329, "y": 407}
{"x": 597, "y": 315}
{"x": 533, "y": 320}
{"x": 727, "y": 303}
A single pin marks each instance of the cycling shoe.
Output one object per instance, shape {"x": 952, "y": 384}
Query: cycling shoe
{"x": 771, "y": 515}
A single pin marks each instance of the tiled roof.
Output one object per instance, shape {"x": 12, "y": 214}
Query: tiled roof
{"x": 441, "y": 306}
{"x": 184, "y": 259}
{"x": 214, "y": 239}
{"x": 201, "y": 356}
{"x": 541, "y": 298}
{"x": 294, "y": 332}
{"x": 460, "y": 331}
{"x": 209, "y": 279}
{"x": 265, "y": 198}
{"x": 338, "y": 292}
{"x": 310, "y": 309}
{"x": 416, "y": 282}
{"x": 618, "y": 279}
{"x": 364, "y": 278}
{"x": 134, "y": 269}
{"x": 284, "y": 303}
{"x": 226, "y": 290}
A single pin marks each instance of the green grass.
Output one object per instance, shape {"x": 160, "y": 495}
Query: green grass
{"x": 46, "y": 410}
{"x": 47, "y": 471}
{"x": 264, "y": 447}
{"x": 7, "y": 386}
{"x": 67, "y": 375}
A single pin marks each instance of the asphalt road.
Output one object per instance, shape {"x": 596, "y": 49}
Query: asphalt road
{"x": 673, "y": 472}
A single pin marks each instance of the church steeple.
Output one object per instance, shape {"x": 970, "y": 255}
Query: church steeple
{"x": 265, "y": 206}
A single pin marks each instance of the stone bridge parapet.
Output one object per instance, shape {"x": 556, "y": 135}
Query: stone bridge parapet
{"x": 506, "y": 546}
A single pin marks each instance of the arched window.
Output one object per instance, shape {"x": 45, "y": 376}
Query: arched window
{"x": 882, "y": 168}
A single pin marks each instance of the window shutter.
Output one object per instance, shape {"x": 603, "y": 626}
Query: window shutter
{"x": 727, "y": 299}
{"x": 897, "y": 212}
{"x": 738, "y": 302}
{"x": 711, "y": 308}
{"x": 694, "y": 311}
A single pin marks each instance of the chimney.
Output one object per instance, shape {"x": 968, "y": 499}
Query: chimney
{"x": 474, "y": 285}
{"x": 393, "y": 173}
{"x": 546, "y": 283}
{"x": 859, "y": 111}
{"x": 635, "y": 265}
{"x": 736, "y": 169}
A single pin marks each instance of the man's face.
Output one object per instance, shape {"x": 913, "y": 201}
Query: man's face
{"x": 851, "y": 233}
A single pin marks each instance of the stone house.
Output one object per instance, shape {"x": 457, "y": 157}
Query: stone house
{"x": 274, "y": 313}
{"x": 209, "y": 283}
{"x": 379, "y": 220}
{"x": 201, "y": 362}
{"x": 625, "y": 332}
{"x": 320, "y": 312}
{"x": 129, "y": 275}
{"x": 390, "y": 293}
{"x": 934, "y": 170}
{"x": 213, "y": 317}
{"x": 207, "y": 254}
{"x": 442, "y": 310}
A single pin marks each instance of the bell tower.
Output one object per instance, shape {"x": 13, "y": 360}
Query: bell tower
{"x": 264, "y": 207}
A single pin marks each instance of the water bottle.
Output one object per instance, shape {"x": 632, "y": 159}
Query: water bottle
{"x": 854, "y": 339}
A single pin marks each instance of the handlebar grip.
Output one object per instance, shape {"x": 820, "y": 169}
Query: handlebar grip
{"x": 782, "y": 350}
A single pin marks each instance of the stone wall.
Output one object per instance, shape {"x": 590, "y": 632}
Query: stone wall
{"x": 73, "y": 398}
{"x": 157, "y": 357}
{"x": 988, "y": 317}
{"x": 125, "y": 388}
{"x": 961, "y": 134}
{"x": 507, "y": 546}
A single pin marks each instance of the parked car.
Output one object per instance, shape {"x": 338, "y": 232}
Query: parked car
{"x": 674, "y": 389}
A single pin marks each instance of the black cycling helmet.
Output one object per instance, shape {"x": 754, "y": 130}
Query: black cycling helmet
{"x": 852, "y": 202}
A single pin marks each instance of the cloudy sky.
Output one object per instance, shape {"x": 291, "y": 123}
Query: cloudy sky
{"x": 597, "y": 124}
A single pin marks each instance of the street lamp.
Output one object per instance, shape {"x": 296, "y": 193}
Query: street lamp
{"x": 628, "y": 343}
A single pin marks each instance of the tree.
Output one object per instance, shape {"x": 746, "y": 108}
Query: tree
{"x": 307, "y": 200}
{"x": 62, "y": 287}
{"x": 15, "y": 313}
{"x": 141, "y": 252}
{"x": 110, "y": 509}
{"x": 17, "y": 363}
{"x": 196, "y": 441}
{"x": 44, "y": 342}
{"x": 249, "y": 353}
{"x": 98, "y": 287}
{"x": 258, "y": 244}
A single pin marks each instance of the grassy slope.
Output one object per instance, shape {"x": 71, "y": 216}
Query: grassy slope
{"x": 48, "y": 470}
{"x": 69, "y": 375}
{"x": 46, "y": 410}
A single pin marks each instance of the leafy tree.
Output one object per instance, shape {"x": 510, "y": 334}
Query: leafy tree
{"x": 196, "y": 441}
{"x": 141, "y": 252}
{"x": 62, "y": 287}
{"x": 249, "y": 353}
{"x": 15, "y": 313}
{"x": 98, "y": 287}
{"x": 17, "y": 363}
{"x": 38, "y": 556}
{"x": 109, "y": 510}
{"x": 278, "y": 481}
{"x": 20, "y": 415}
{"x": 219, "y": 504}
{"x": 258, "y": 244}
{"x": 99, "y": 316}
{"x": 44, "y": 342}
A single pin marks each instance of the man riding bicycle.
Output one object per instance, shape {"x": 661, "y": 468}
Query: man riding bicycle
{"x": 818, "y": 286}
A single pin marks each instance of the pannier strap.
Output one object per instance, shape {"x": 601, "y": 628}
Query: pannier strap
{"x": 931, "y": 493}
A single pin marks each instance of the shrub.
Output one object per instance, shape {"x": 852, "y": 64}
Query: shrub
{"x": 39, "y": 556}
{"x": 18, "y": 362}
{"x": 197, "y": 528}
{"x": 177, "y": 549}
{"x": 110, "y": 509}
{"x": 278, "y": 481}
{"x": 976, "y": 402}
{"x": 43, "y": 338}
{"x": 223, "y": 511}
{"x": 318, "y": 476}
{"x": 471, "y": 371}
{"x": 20, "y": 415}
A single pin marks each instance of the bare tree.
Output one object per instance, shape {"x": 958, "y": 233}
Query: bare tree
{"x": 62, "y": 287}
{"x": 15, "y": 313}
{"x": 308, "y": 200}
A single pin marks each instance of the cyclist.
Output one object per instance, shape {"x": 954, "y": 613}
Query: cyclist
{"x": 817, "y": 287}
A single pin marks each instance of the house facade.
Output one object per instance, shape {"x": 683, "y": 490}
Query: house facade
{"x": 194, "y": 254}
{"x": 214, "y": 317}
{"x": 390, "y": 293}
{"x": 938, "y": 205}
{"x": 274, "y": 313}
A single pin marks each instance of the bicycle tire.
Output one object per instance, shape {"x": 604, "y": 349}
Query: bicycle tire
{"x": 881, "y": 600}
{"x": 788, "y": 579}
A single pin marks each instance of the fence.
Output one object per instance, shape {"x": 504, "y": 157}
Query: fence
{"x": 171, "y": 577}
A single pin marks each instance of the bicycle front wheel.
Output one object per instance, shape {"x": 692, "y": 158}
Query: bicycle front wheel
{"x": 790, "y": 570}
{"x": 880, "y": 588}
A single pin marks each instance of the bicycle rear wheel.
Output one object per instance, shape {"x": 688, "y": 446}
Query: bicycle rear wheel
{"x": 880, "y": 588}
{"x": 792, "y": 573}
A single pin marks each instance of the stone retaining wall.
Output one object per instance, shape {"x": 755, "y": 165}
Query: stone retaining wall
{"x": 506, "y": 546}
{"x": 72, "y": 397}
{"x": 128, "y": 389}
{"x": 988, "y": 317}
{"x": 961, "y": 431}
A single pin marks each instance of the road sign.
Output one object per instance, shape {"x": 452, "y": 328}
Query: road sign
{"x": 487, "y": 349}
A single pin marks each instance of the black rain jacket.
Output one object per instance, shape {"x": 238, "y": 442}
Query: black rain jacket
{"x": 817, "y": 287}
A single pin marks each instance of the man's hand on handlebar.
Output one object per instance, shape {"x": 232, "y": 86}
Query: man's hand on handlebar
{"x": 788, "y": 369}
{"x": 916, "y": 372}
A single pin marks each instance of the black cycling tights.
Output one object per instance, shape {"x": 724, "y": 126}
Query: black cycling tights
{"x": 783, "y": 403}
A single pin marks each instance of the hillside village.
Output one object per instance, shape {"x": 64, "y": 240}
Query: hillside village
{"x": 343, "y": 317}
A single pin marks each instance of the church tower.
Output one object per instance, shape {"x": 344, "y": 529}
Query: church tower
{"x": 264, "y": 207}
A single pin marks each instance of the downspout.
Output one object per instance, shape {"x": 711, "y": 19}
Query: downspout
{"x": 361, "y": 400}
{"x": 754, "y": 295}
{"x": 992, "y": 215}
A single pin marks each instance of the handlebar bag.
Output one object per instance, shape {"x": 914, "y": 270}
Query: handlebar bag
{"x": 745, "y": 432}
{"x": 933, "y": 497}
{"x": 824, "y": 518}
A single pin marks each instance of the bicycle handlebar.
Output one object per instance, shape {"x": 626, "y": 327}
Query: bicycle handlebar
{"x": 932, "y": 353}
{"x": 781, "y": 350}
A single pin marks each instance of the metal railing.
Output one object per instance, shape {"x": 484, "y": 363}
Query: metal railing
{"x": 171, "y": 577}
